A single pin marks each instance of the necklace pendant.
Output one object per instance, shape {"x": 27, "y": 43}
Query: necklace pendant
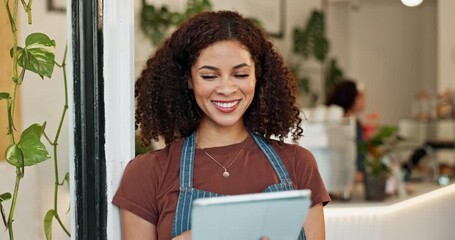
{"x": 226, "y": 174}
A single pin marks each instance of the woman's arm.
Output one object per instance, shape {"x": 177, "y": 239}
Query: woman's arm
{"x": 314, "y": 224}
{"x": 135, "y": 228}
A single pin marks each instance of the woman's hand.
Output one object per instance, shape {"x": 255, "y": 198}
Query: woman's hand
{"x": 184, "y": 236}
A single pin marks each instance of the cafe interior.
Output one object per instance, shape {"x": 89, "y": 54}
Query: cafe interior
{"x": 400, "y": 54}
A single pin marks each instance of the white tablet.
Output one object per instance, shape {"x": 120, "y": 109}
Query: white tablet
{"x": 277, "y": 215}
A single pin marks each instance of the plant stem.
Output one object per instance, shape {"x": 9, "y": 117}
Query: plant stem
{"x": 61, "y": 224}
{"x": 19, "y": 172}
{"x": 10, "y": 122}
{"x": 14, "y": 31}
{"x": 28, "y": 9}
{"x": 13, "y": 102}
{"x": 13, "y": 203}
{"x": 56, "y": 185}
{"x": 65, "y": 107}
{"x": 10, "y": 17}
{"x": 47, "y": 138}
{"x": 15, "y": 64}
{"x": 55, "y": 145}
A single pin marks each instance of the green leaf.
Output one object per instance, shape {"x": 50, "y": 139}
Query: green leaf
{"x": 14, "y": 155}
{"x": 48, "y": 224}
{"x": 38, "y": 55}
{"x": 67, "y": 178}
{"x": 17, "y": 49}
{"x": 311, "y": 40}
{"x": 29, "y": 151}
{"x": 301, "y": 42}
{"x": 34, "y": 151}
{"x": 4, "y": 95}
{"x": 5, "y": 196}
{"x": 321, "y": 48}
{"x": 3, "y": 213}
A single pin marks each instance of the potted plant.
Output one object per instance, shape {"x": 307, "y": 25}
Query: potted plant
{"x": 156, "y": 22}
{"x": 311, "y": 42}
{"x": 378, "y": 145}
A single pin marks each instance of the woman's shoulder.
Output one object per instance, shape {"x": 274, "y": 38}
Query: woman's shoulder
{"x": 291, "y": 148}
{"x": 157, "y": 158}
{"x": 294, "y": 154}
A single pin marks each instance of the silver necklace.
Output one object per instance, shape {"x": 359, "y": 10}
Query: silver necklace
{"x": 225, "y": 173}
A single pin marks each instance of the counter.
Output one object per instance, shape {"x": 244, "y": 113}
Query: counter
{"x": 428, "y": 213}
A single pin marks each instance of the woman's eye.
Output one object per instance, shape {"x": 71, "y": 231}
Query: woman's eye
{"x": 242, "y": 75}
{"x": 208, "y": 76}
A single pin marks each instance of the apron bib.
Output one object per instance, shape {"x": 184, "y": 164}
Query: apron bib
{"x": 182, "y": 219}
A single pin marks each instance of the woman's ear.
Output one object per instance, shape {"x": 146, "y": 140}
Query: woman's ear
{"x": 190, "y": 83}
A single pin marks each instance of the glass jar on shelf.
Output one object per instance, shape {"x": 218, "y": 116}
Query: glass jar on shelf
{"x": 446, "y": 106}
{"x": 423, "y": 106}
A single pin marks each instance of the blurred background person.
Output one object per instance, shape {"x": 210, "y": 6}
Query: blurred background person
{"x": 350, "y": 96}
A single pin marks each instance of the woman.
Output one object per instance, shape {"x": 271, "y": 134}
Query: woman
{"x": 215, "y": 92}
{"x": 348, "y": 95}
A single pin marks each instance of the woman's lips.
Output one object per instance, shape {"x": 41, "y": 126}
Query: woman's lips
{"x": 226, "y": 106}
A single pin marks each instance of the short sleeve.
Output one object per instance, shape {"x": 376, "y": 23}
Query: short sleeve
{"x": 138, "y": 187}
{"x": 308, "y": 176}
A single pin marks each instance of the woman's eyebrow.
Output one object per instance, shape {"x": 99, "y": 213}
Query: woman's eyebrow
{"x": 241, "y": 65}
{"x": 215, "y": 68}
{"x": 208, "y": 67}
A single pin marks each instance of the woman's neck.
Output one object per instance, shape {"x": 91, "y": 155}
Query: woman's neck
{"x": 208, "y": 136}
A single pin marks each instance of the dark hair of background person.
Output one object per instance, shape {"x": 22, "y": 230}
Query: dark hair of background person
{"x": 343, "y": 94}
{"x": 166, "y": 107}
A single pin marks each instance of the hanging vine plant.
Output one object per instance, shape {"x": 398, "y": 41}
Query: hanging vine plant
{"x": 36, "y": 56}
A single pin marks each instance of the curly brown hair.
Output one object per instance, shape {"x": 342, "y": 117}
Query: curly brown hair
{"x": 166, "y": 107}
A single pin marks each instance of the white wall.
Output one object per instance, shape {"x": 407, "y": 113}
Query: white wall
{"x": 446, "y": 45}
{"x": 387, "y": 46}
{"x": 390, "y": 48}
{"x": 338, "y": 29}
{"x": 42, "y": 101}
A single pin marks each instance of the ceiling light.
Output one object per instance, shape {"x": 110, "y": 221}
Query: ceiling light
{"x": 411, "y": 3}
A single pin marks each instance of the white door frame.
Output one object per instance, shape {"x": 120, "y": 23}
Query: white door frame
{"x": 118, "y": 98}
{"x": 118, "y": 75}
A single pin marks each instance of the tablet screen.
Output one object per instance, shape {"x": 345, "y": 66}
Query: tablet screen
{"x": 277, "y": 215}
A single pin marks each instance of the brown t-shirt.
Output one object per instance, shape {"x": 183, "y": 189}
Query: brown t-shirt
{"x": 150, "y": 183}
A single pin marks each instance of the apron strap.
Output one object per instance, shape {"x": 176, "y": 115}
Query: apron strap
{"x": 273, "y": 158}
{"x": 187, "y": 162}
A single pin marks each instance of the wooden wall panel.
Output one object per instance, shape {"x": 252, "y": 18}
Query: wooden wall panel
{"x": 6, "y": 73}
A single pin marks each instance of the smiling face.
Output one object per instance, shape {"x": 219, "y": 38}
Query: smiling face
{"x": 223, "y": 80}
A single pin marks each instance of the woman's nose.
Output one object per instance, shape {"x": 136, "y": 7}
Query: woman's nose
{"x": 227, "y": 87}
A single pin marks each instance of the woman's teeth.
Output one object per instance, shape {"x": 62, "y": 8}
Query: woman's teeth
{"x": 226, "y": 104}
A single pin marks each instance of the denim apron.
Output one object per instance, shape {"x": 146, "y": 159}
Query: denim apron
{"x": 182, "y": 219}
